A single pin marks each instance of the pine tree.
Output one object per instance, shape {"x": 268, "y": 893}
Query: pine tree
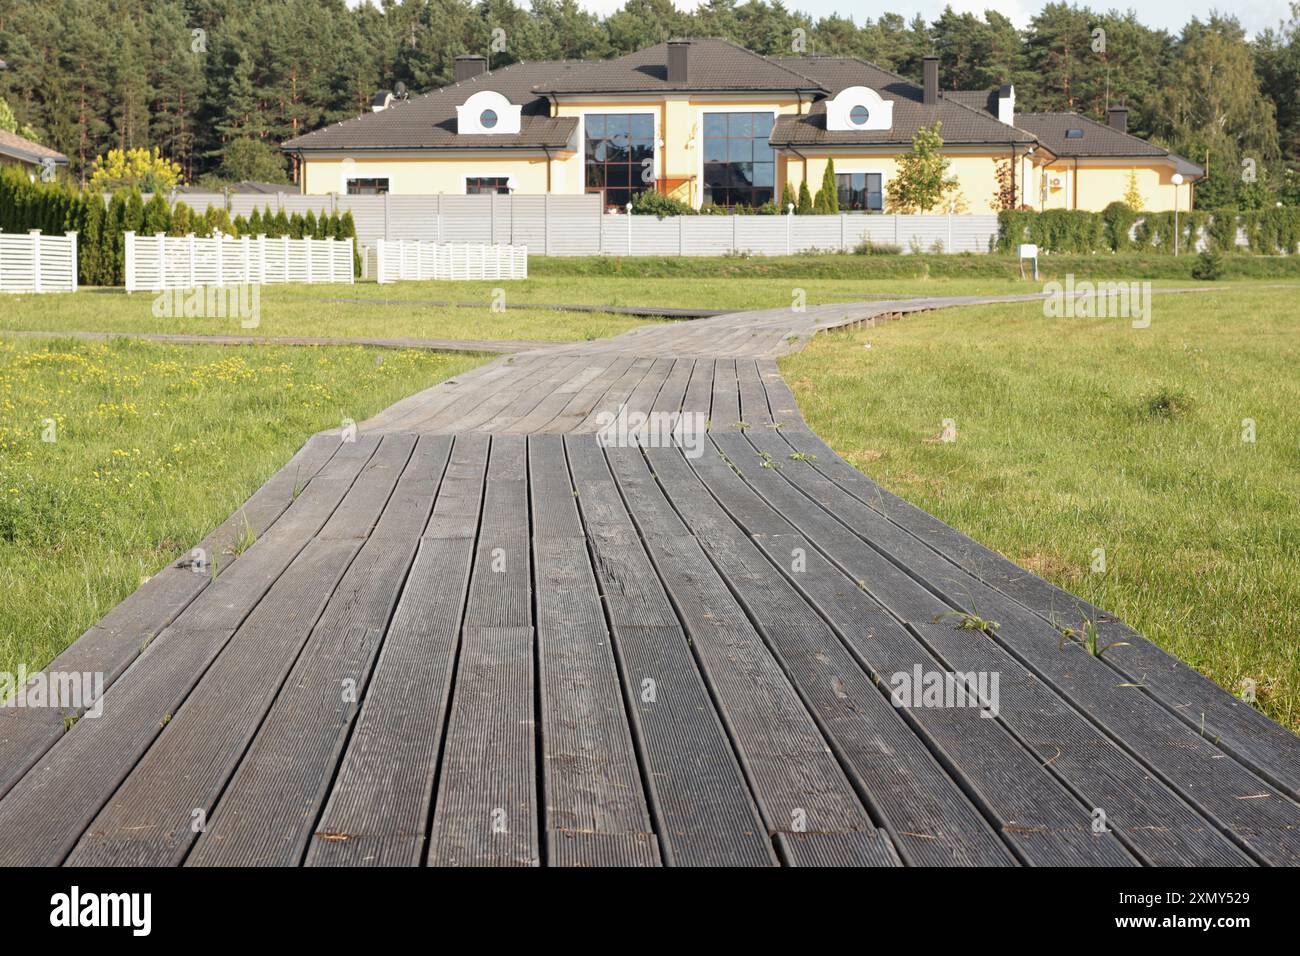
{"x": 805, "y": 206}
{"x": 787, "y": 197}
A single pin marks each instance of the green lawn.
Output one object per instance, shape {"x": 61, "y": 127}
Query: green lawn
{"x": 314, "y": 310}
{"x": 403, "y": 309}
{"x": 155, "y": 446}
{"x": 1078, "y": 434}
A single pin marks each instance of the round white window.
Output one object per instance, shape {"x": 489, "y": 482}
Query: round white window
{"x": 859, "y": 115}
{"x": 488, "y": 119}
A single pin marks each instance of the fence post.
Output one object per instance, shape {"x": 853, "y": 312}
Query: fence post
{"x": 896, "y": 242}
{"x": 72, "y": 241}
{"x": 843, "y": 240}
{"x": 789, "y": 218}
{"x": 546, "y": 224}
{"x": 600, "y": 227}
{"x": 217, "y": 239}
{"x": 438, "y": 234}
{"x": 681, "y": 235}
{"x": 128, "y": 279}
{"x": 192, "y": 277}
{"x": 385, "y": 215}
{"x": 950, "y": 232}
{"x": 329, "y": 247}
{"x": 284, "y": 246}
{"x": 36, "y": 258}
{"x": 492, "y": 218}
{"x": 307, "y": 251}
{"x": 379, "y": 261}
{"x": 735, "y": 224}
{"x": 245, "y": 241}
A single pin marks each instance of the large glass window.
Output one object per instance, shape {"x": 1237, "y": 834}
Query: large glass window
{"x": 620, "y": 155}
{"x": 739, "y": 163}
{"x": 860, "y": 191}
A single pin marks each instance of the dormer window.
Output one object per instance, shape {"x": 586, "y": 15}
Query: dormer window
{"x": 857, "y": 109}
{"x": 487, "y": 113}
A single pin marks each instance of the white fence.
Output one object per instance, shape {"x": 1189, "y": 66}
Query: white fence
{"x": 392, "y": 260}
{"x": 32, "y": 262}
{"x": 185, "y": 262}
{"x": 578, "y": 225}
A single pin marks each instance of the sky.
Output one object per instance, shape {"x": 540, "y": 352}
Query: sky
{"x": 1170, "y": 15}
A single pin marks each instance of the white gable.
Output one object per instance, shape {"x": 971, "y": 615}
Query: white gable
{"x": 487, "y": 112}
{"x": 859, "y": 108}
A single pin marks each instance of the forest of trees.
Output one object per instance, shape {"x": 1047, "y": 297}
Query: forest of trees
{"x": 215, "y": 84}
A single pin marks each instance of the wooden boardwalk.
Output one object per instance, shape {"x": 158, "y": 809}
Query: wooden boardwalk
{"x": 481, "y": 633}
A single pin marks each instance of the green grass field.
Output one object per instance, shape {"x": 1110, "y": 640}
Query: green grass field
{"x": 1079, "y": 434}
{"x": 154, "y": 446}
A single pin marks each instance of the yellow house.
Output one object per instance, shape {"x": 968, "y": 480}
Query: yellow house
{"x": 714, "y": 124}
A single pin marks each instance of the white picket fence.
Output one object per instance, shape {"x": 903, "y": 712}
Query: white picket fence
{"x": 31, "y": 262}
{"x": 185, "y": 262}
{"x": 394, "y": 260}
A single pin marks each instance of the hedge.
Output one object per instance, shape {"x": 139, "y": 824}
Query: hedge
{"x": 55, "y": 209}
{"x": 1119, "y": 229}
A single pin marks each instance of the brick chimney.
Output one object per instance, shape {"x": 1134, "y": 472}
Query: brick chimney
{"x": 930, "y": 72}
{"x": 469, "y": 66}
{"x": 1117, "y": 116}
{"x": 679, "y": 61}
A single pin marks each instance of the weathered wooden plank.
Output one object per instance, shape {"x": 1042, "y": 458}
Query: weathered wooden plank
{"x": 485, "y": 812}
{"x": 591, "y": 778}
{"x": 726, "y": 395}
{"x": 838, "y": 849}
{"x": 928, "y": 815}
{"x": 669, "y": 399}
{"x": 754, "y": 410}
{"x": 116, "y": 640}
{"x": 486, "y": 809}
{"x": 570, "y": 848}
{"x": 45, "y": 813}
{"x": 378, "y": 811}
{"x": 698, "y": 398}
{"x": 704, "y": 812}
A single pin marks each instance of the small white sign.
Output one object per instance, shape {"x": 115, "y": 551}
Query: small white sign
{"x": 1028, "y": 250}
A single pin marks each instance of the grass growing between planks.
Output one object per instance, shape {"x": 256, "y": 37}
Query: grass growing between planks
{"x": 1081, "y": 434}
{"x": 154, "y": 446}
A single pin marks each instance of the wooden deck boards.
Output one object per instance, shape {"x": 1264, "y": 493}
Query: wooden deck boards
{"x": 482, "y": 635}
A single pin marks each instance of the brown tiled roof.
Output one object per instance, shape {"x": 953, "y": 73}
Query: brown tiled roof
{"x": 960, "y": 124}
{"x": 1098, "y": 139}
{"x": 429, "y": 121}
{"x": 11, "y": 144}
{"x": 714, "y": 65}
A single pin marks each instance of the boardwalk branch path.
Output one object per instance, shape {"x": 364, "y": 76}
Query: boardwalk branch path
{"x": 480, "y": 633}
